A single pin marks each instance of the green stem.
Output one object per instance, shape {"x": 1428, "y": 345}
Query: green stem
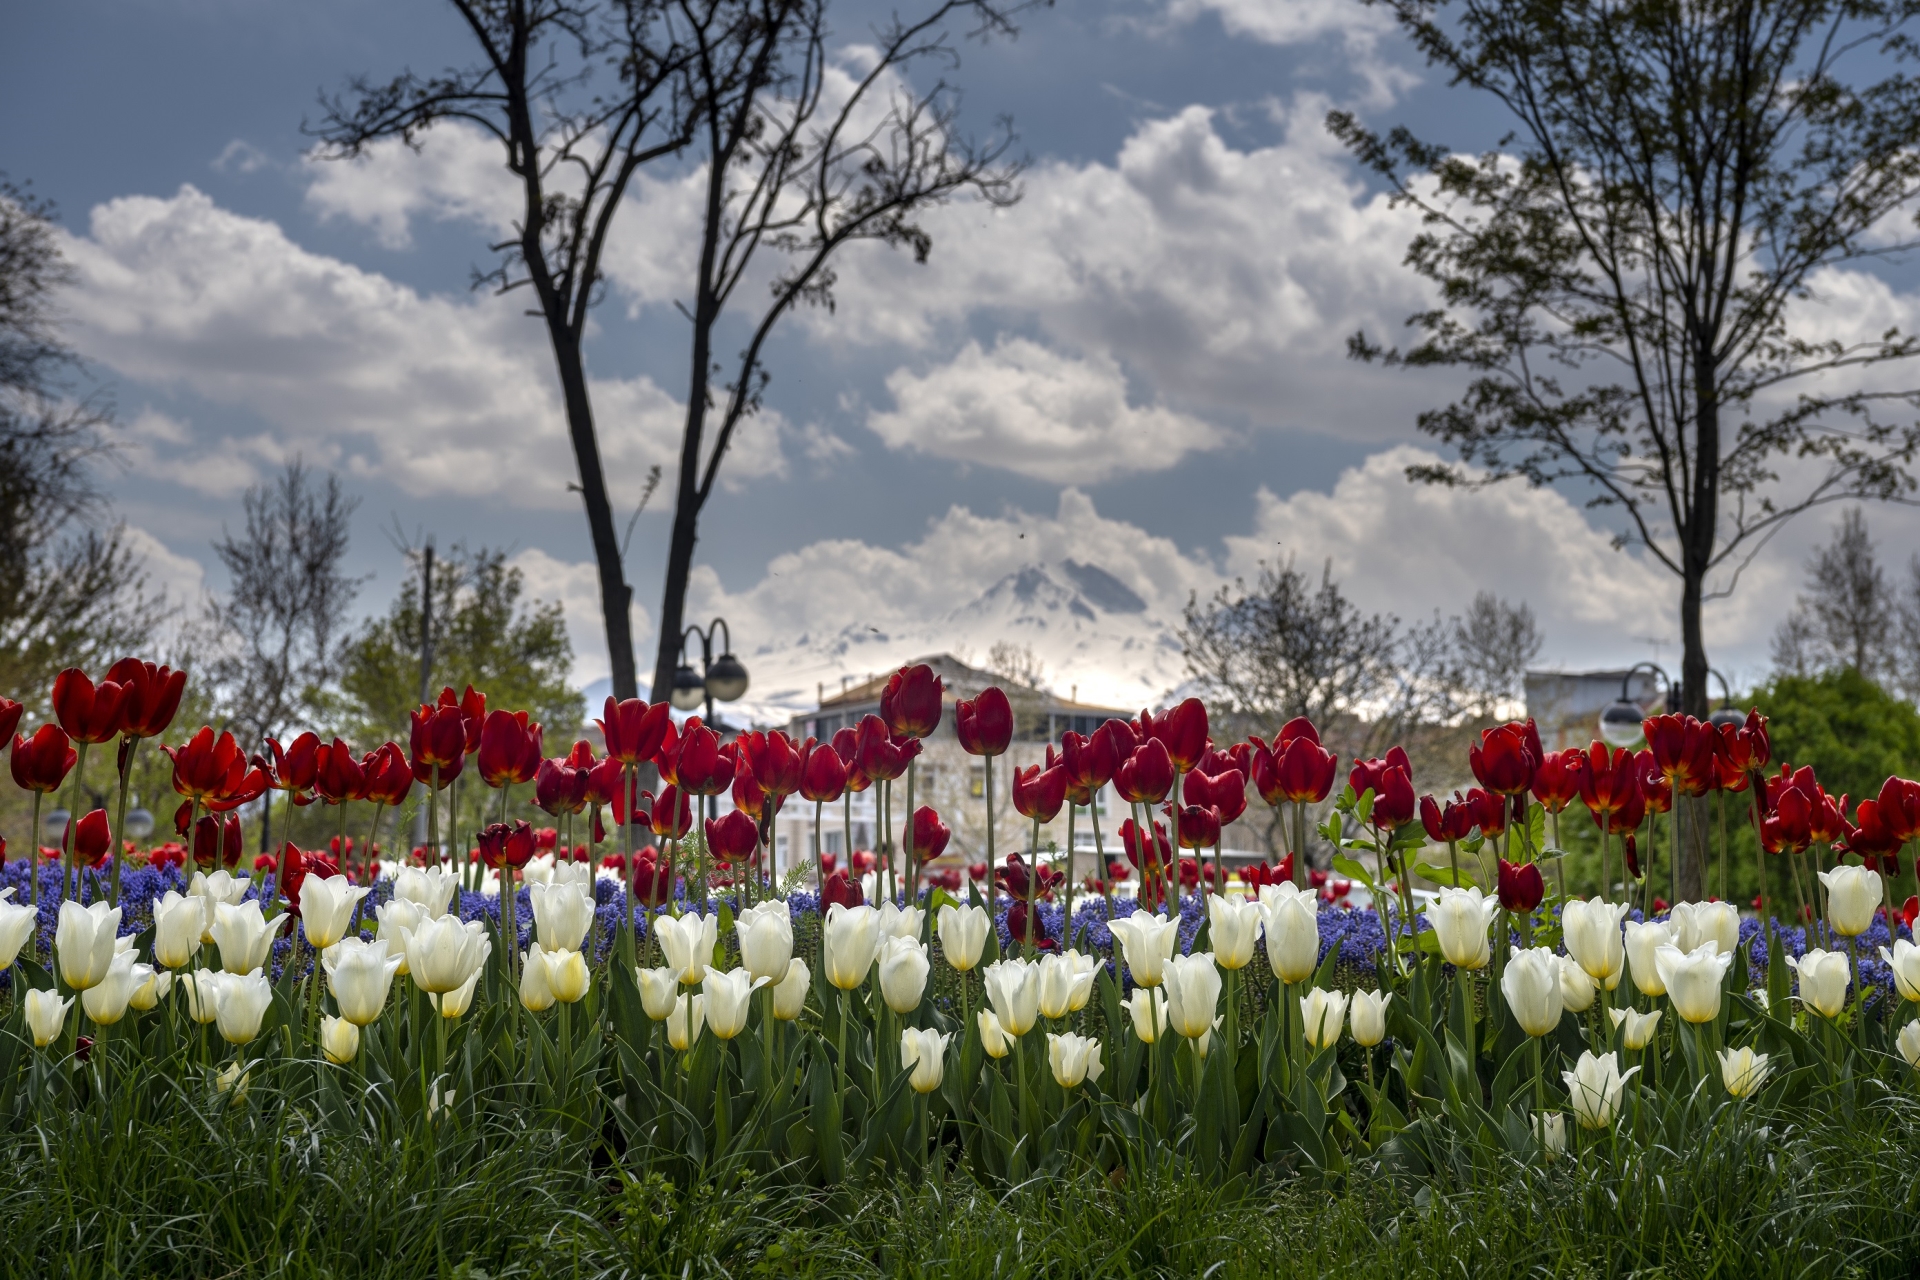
{"x": 120, "y": 821}
{"x": 70, "y": 880}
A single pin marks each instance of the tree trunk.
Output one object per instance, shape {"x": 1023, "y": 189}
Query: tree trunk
{"x": 1696, "y": 554}
{"x": 688, "y": 499}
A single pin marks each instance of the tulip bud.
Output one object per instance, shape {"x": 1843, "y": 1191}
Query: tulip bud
{"x": 924, "y": 1053}
{"x": 16, "y": 926}
{"x": 429, "y": 887}
{"x": 659, "y": 989}
{"x": 444, "y": 952}
{"x": 152, "y": 990}
{"x": 903, "y": 973}
{"x": 1577, "y": 990}
{"x": 1193, "y": 994}
{"x": 1321, "y": 1013}
{"x": 1055, "y": 985}
{"x": 1233, "y": 926}
{"x": 898, "y": 923}
{"x": 1074, "y": 1059}
{"x": 1013, "y": 989}
{"x": 1636, "y": 1029}
{"x": 1904, "y": 961}
{"x": 203, "y": 994}
{"x": 1147, "y": 941}
{"x": 326, "y": 908}
{"x": 963, "y": 934}
{"x": 243, "y": 1003}
{"x": 1291, "y": 921}
{"x": 766, "y": 939}
{"x": 232, "y": 1079}
{"x": 993, "y": 1037}
{"x": 1591, "y": 930}
{"x": 1743, "y": 1071}
{"x": 397, "y": 921}
{"x": 1692, "y": 979}
{"x": 729, "y": 996}
{"x": 1369, "y": 1017}
{"x": 535, "y": 995}
{"x": 360, "y": 974}
{"x": 1594, "y": 1087}
{"x": 1644, "y": 940}
{"x": 46, "y": 1014}
{"x": 1531, "y": 984}
{"x": 212, "y": 890}
{"x": 1908, "y": 1043}
{"x": 177, "y": 922}
{"x": 790, "y": 993}
{"x": 1823, "y": 981}
{"x": 339, "y": 1040}
{"x": 83, "y": 941}
{"x": 242, "y": 935}
{"x": 1460, "y": 918}
{"x": 1853, "y": 895}
{"x": 687, "y": 942}
{"x": 1698, "y": 922}
{"x": 1148, "y": 1005}
{"x": 1550, "y": 1128}
{"x": 562, "y": 914}
{"x": 455, "y": 1003}
{"x": 105, "y": 1002}
{"x": 684, "y": 1023}
{"x": 1085, "y": 969}
{"x": 852, "y": 941}
{"x": 567, "y": 975}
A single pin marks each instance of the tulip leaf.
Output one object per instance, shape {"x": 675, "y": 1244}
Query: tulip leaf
{"x": 1444, "y": 875}
{"x": 1353, "y": 870}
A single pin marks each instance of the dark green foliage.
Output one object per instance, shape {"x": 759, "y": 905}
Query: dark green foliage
{"x": 1851, "y": 730}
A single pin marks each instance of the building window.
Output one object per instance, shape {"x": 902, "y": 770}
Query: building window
{"x": 977, "y": 782}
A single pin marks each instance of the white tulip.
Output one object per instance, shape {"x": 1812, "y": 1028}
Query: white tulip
{"x": 1853, "y": 895}
{"x": 562, "y": 915}
{"x": 443, "y": 952}
{"x": 1698, "y": 922}
{"x": 46, "y": 1014}
{"x": 360, "y": 974}
{"x": 1552, "y": 1132}
{"x": 231, "y": 1079}
{"x": 1205, "y": 1038}
{"x": 963, "y": 934}
{"x": 212, "y": 890}
{"x": 1743, "y": 1071}
{"x": 1291, "y": 921}
{"x": 1644, "y": 940}
{"x": 1594, "y": 1087}
{"x": 1321, "y": 1013}
{"x": 659, "y": 989}
{"x": 1692, "y": 979}
{"x": 1013, "y": 989}
{"x": 898, "y": 923}
{"x": 1909, "y": 1044}
{"x": 326, "y": 909}
{"x": 567, "y": 975}
{"x": 243, "y": 1003}
{"x": 729, "y": 995}
{"x": 993, "y": 1037}
{"x": 1577, "y": 990}
{"x": 684, "y": 1023}
{"x": 1085, "y": 970}
{"x": 766, "y": 939}
{"x": 152, "y": 990}
{"x": 1904, "y": 960}
{"x": 1823, "y": 980}
{"x": 852, "y": 942}
{"x": 1460, "y": 919}
{"x": 1147, "y": 941}
{"x": 1057, "y": 977}
{"x": 339, "y": 1040}
{"x": 1591, "y": 930}
{"x": 431, "y": 888}
{"x": 177, "y": 922}
{"x": 241, "y": 933}
{"x": 1193, "y": 993}
{"x": 106, "y": 1001}
{"x": 1369, "y": 1017}
{"x": 1232, "y": 925}
{"x": 16, "y": 926}
{"x": 1531, "y": 984}
{"x": 203, "y": 994}
{"x": 903, "y": 973}
{"x": 790, "y": 993}
{"x": 687, "y": 942}
{"x": 924, "y": 1053}
{"x": 83, "y": 941}
{"x": 1148, "y": 1005}
{"x": 397, "y": 920}
{"x": 1074, "y": 1059}
{"x": 1636, "y": 1029}
{"x": 455, "y": 1003}
{"x": 535, "y": 995}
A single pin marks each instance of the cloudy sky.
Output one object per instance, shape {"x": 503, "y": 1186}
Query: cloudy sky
{"x": 1128, "y": 387}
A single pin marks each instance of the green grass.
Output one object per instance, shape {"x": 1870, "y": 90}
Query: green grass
{"x": 206, "y": 1194}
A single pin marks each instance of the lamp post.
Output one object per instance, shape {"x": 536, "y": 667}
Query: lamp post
{"x": 1726, "y": 713}
{"x": 722, "y": 679}
{"x": 1620, "y": 720}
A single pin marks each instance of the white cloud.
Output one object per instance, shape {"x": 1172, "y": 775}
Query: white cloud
{"x": 457, "y": 173}
{"x": 575, "y": 587}
{"x": 1037, "y": 412}
{"x": 353, "y": 370}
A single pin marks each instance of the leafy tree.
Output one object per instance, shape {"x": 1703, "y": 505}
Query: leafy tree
{"x": 1851, "y": 730}
{"x": 484, "y": 634}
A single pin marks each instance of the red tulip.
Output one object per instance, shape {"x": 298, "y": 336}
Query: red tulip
{"x": 984, "y": 725}
{"x": 41, "y": 763}
{"x": 438, "y": 744}
{"x": 651, "y": 883}
{"x": 1204, "y": 831}
{"x": 387, "y": 776}
{"x": 338, "y": 776}
{"x": 733, "y": 837}
{"x": 1183, "y": 730}
{"x": 9, "y": 718}
{"x": 473, "y": 715}
{"x": 509, "y": 749}
{"x": 295, "y": 768}
{"x": 1489, "y": 811}
{"x": 879, "y": 755}
{"x": 150, "y": 696}
{"x": 775, "y": 761}
{"x": 699, "y": 766}
{"x": 1871, "y": 838}
{"x": 1391, "y": 781}
{"x": 88, "y": 712}
{"x": 1146, "y": 776}
{"x": 634, "y": 731}
{"x": 1654, "y": 787}
{"x": 1017, "y": 880}
{"x": 1038, "y": 793}
{"x": 930, "y": 835}
{"x": 1147, "y": 857}
{"x": 1265, "y": 873}
{"x": 91, "y": 838}
{"x": 1502, "y": 760}
{"x": 839, "y": 888}
{"x": 1682, "y": 749}
{"x": 507, "y": 846}
{"x": 1520, "y": 886}
{"x": 1609, "y": 783}
{"x": 846, "y": 745}
{"x": 747, "y": 795}
{"x": 823, "y": 774}
{"x": 217, "y": 840}
{"x": 1788, "y": 827}
{"x": 671, "y": 816}
{"x": 1556, "y": 779}
{"x": 558, "y": 787}
{"x": 1828, "y": 821}
{"x": 1298, "y": 769}
{"x": 910, "y": 704}
{"x": 300, "y": 864}
{"x": 1090, "y": 761}
{"x": 1025, "y": 925}
{"x": 214, "y": 772}
{"x": 603, "y": 781}
{"x": 1225, "y": 793}
{"x": 1899, "y": 805}
{"x": 1444, "y": 826}
{"x": 1366, "y": 775}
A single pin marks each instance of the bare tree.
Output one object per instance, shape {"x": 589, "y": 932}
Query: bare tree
{"x": 278, "y": 634}
{"x": 799, "y": 168}
{"x": 580, "y": 97}
{"x": 1495, "y": 642}
{"x": 1846, "y": 617}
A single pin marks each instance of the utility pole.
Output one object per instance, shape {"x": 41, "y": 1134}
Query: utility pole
{"x": 426, "y": 666}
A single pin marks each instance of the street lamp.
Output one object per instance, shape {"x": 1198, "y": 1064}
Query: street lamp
{"x": 1620, "y": 721}
{"x": 1726, "y": 713}
{"x": 722, "y": 679}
